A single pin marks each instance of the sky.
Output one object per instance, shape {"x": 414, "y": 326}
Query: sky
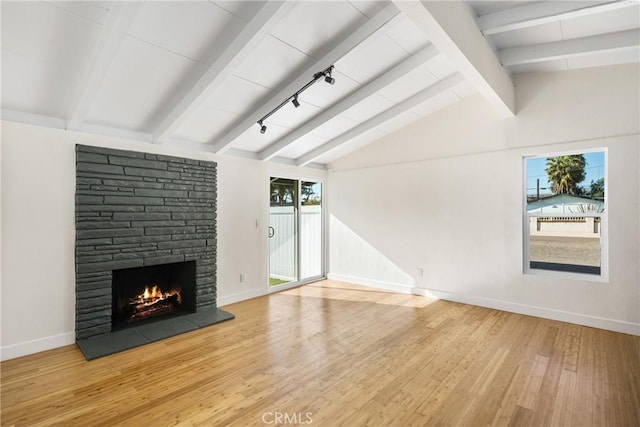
{"x": 535, "y": 169}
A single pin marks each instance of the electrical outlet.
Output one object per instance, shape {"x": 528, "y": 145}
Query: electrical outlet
{"x": 420, "y": 272}
{"x": 241, "y": 277}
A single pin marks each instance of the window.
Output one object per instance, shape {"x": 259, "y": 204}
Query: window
{"x": 565, "y": 214}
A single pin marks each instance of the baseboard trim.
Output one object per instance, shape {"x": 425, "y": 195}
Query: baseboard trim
{"x": 240, "y": 296}
{"x": 530, "y": 310}
{"x": 35, "y": 346}
{"x": 405, "y": 289}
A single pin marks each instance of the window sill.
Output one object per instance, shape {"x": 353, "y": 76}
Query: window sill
{"x": 599, "y": 278}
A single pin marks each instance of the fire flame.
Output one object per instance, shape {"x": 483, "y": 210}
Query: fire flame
{"x": 153, "y": 295}
{"x": 155, "y": 292}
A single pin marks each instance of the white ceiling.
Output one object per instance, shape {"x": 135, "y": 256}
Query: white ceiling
{"x": 530, "y": 33}
{"x": 201, "y": 73}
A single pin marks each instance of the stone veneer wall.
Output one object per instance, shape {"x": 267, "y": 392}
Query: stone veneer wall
{"x": 135, "y": 209}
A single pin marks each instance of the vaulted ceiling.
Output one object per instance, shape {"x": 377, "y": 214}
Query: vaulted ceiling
{"x": 200, "y": 74}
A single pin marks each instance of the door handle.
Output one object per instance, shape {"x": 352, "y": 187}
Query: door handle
{"x": 272, "y": 232}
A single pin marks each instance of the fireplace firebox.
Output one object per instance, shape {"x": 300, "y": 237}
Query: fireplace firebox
{"x": 145, "y": 294}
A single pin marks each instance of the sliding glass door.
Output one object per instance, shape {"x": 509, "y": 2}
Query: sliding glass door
{"x": 295, "y": 231}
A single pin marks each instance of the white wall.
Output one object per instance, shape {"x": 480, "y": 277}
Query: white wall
{"x": 445, "y": 195}
{"x": 38, "y": 233}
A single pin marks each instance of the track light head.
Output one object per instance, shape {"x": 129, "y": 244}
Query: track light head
{"x": 263, "y": 128}
{"x": 295, "y": 102}
{"x": 327, "y": 76}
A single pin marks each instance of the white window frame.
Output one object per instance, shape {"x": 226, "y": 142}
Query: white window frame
{"x": 604, "y": 222}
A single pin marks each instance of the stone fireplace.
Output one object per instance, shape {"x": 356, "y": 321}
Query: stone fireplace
{"x": 137, "y": 215}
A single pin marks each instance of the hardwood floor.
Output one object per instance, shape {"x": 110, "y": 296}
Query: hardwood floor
{"x": 334, "y": 354}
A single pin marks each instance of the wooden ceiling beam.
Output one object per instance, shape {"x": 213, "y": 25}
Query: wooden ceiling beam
{"x": 452, "y": 29}
{"x": 417, "y": 99}
{"x": 534, "y": 14}
{"x": 254, "y": 32}
{"x": 623, "y": 40}
{"x": 413, "y": 62}
{"x": 341, "y": 49}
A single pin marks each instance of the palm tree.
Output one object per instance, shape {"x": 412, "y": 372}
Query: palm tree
{"x": 565, "y": 173}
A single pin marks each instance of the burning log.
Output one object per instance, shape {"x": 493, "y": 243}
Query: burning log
{"x": 152, "y": 303}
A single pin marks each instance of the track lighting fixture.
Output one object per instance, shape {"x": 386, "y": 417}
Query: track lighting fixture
{"x": 328, "y": 78}
{"x": 294, "y": 98}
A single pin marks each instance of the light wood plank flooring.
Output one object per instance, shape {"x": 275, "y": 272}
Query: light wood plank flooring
{"x": 337, "y": 354}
